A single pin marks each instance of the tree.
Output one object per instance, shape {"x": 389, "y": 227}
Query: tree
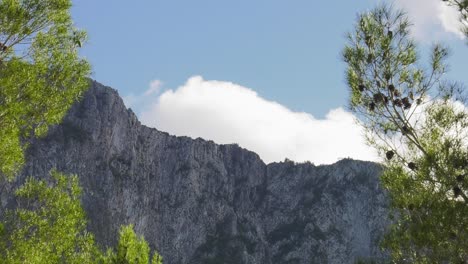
{"x": 41, "y": 74}
{"x": 419, "y": 124}
{"x": 462, "y": 7}
{"x": 132, "y": 249}
{"x": 49, "y": 226}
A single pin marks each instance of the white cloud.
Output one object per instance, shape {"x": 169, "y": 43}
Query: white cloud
{"x": 154, "y": 87}
{"x": 228, "y": 113}
{"x": 432, "y": 19}
{"x": 137, "y": 101}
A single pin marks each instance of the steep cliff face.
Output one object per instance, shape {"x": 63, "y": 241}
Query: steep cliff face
{"x": 199, "y": 202}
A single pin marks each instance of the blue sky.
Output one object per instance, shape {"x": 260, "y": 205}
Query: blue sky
{"x": 288, "y": 52}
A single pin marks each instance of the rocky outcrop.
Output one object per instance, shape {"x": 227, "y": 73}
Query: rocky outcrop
{"x": 199, "y": 202}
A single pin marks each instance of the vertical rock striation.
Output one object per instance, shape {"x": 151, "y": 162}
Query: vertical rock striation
{"x": 199, "y": 202}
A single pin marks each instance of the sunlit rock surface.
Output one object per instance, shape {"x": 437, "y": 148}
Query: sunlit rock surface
{"x": 199, "y": 202}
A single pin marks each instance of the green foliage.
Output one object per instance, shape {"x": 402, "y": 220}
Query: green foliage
{"x": 132, "y": 249}
{"x": 48, "y": 226}
{"x": 157, "y": 259}
{"x": 365, "y": 261}
{"x": 41, "y": 74}
{"x": 419, "y": 124}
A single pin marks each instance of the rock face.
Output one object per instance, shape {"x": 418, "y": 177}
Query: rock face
{"x": 199, "y": 202}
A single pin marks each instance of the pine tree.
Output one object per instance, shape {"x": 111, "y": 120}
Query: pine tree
{"x": 41, "y": 74}
{"x": 419, "y": 124}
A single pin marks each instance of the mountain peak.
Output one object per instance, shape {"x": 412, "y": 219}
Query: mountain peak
{"x": 199, "y": 202}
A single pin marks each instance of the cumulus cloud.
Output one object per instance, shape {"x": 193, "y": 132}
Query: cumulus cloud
{"x": 229, "y": 113}
{"x": 432, "y": 19}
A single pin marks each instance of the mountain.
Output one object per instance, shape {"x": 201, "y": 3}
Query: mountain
{"x": 199, "y": 202}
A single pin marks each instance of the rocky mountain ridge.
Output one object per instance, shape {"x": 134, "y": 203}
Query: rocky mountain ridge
{"x": 199, "y": 202}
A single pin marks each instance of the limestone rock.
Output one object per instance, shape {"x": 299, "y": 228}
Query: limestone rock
{"x": 199, "y": 202}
